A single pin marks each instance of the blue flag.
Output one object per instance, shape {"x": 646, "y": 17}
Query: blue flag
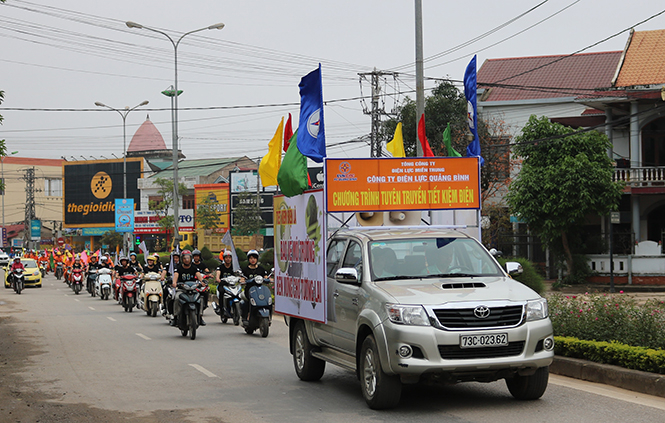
{"x": 311, "y": 133}
{"x": 470, "y": 89}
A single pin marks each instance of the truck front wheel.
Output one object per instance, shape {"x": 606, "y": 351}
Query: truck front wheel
{"x": 380, "y": 390}
{"x": 529, "y": 387}
{"x": 308, "y": 368}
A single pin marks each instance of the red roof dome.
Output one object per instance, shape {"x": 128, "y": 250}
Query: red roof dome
{"x": 147, "y": 138}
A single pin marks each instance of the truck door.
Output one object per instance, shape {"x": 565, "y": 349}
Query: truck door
{"x": 324, "y": 333}
{"x": 347, "y": 298}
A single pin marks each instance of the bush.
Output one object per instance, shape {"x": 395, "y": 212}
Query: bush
{"x": 616, "y": 353}
{"x": 212, "y": 264}
{"x": 609, "y": 317}
{"x": 529, "y": 277}
{"x": 242, "y": 256}
{"x": 206, "y": 254}
{"x": 581, "y": 271}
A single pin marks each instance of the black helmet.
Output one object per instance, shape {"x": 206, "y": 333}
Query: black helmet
{"x": 175, "y": 253}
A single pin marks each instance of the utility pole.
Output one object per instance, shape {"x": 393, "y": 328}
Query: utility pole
{"x": 376, "y": 109}
{"x": 29, "y": 179}
{"x": 420, "y": 79}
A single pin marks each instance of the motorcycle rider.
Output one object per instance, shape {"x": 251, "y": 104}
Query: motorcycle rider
{"x": 134, "y": 263}
{"x": 121, "y": 269}
{"x": 15, "y": 265}
{"x": 43, "y": 261}
{"x": 185, "y": 272}
{"x": 225, "y": 268}
{"x": 251, "y": 271}
{"x": 169, "y": 270}
{"x": 104, "y": 262}
{"x": 93, "y": 264}
{"x": 153, "y": 264}
{"x": 198, "y": 263}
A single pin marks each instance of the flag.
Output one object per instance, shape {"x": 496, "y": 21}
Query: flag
{"x": 99, "y": 253}
{"x": 396, "y": 146}
{"x": 144, "y": 249}
{"x": 84, "y": 257}
{"x": 293, "y": 176}
{"x": 288, "y": 133}
{"x": 470, "y": 91}
{"x": 228, "y": 240}
{"x": 269, "y": 166}
{"x": 447, "y": 141}
{"x": 427, "y": 152}
{"x": 311, "y": 133}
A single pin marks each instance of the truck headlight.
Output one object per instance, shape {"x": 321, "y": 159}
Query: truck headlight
{"x": 536, "y": 309}
{"x": 407, "y": 315}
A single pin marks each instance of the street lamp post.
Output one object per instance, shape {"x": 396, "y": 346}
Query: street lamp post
{"x": 4, "y": 191}
{"x": 123, "y": 114}
{"x": 130, "y": 24}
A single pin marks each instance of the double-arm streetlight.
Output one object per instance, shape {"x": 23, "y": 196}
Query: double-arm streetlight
{"x": 123, "y": 114}
{"x": 174, "y": 114}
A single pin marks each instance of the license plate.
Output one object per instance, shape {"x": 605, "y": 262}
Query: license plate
{"x": 483, "y": 340}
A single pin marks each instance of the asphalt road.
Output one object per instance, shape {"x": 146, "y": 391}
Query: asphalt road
{"x": 88, "y": 356}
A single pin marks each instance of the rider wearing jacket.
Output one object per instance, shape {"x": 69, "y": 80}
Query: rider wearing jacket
{"x": 15, "y": 265}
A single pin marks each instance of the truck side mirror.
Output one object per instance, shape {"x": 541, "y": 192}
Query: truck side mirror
{"x": 513, "y": 268}
{"x": 347, "y": 275}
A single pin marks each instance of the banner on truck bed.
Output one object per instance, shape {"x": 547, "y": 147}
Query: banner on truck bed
{"x": 406, "y": 183}
{"x": 300, "y": 265}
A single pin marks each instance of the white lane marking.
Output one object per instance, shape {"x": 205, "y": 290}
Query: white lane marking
{"x": 609, "y": 391}
{"x": 140, "y": 335}
{"x": 77, "y": 300}
{"x": 203, "y": 370}
{"x": 91, "y": 308}
{"x": 66, "y": 295}
{"x": 112, "y": 319}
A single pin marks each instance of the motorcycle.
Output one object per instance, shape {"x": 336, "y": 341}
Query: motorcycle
{"x": 260, "y": 307}
{"x": 59, "y": 270}
{"x": 18, "y": 280}
{"x": 76, "y": 279}
{"x": 42, "y": 268}
{"x": 103, "y": 283}
{"x": 90, "y": 281}
{"x": 150, "y": 295}
{"x": 127, "y": 292}
{"x": 190, "y": 303}
{"x": 68, "y": 276}
{"x": 228, "y": 297}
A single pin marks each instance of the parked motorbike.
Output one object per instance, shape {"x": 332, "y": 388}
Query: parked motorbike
{"x": 103, "y": 283}
{"x": 260, "y": 307}
{"x": 59, "y": 270}
{"x": 150, "y": 294}
{"x": 90, "y": 281}
{"x": 127, "y": 292}
{"x": 76, "y": 279}
{"x": 18, "y": 280}
{"x": 191, "y": 305}
{"x": 228, "y": 297}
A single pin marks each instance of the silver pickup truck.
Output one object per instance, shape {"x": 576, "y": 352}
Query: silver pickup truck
{"x": 406, "y": 305}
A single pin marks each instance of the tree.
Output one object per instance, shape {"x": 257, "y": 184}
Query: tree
{"x": 162, "y": 207}
{"x": 562, "y": 180}
{"x": 112, "y": 239}
{"x": 247, "y": 217}
{"x": 207, "y": 214}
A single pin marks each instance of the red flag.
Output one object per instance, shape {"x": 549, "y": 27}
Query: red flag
{"x": 427, "y": 152}
{"x": 288, "y": 133}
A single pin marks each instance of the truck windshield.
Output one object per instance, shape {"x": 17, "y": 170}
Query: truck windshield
{"x": 430, "y": 258}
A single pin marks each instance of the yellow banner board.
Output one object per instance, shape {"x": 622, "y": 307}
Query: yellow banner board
{"x": 217, "y": 196}
{"x": 406, "y": 183}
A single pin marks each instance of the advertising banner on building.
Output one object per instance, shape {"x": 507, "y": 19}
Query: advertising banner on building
{"x": 35, "y": 230}
{"x": 124, "y": 215}
{"x": 300, "y": 264}
{"x": 214, "y": 198}
{"x": 91, "y": 188}
{"x": 147, "y": 221}
{"x": 408, "y": 183}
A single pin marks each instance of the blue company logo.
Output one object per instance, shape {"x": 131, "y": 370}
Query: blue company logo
{"x": 313, "y": 123}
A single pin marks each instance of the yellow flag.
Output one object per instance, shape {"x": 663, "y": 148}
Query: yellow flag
{"x": 270, "y": 163}
{"x": 396, "y": 146}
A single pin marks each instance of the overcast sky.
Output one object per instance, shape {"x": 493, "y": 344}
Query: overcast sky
{"x": 72, "y": 53}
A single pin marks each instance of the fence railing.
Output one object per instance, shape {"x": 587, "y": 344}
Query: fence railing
{"x": 641, "y": 176}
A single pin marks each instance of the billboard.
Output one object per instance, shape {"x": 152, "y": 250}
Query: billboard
{"x": 217, "y": 195}
{"x": 300, "y": 264}
{"x": 91, "y": 188}
{"x": 35, "y": 230}
{"x": 147, "y": 221}
{"x": 407, "y": 183}
{"x": 124, "y": 214}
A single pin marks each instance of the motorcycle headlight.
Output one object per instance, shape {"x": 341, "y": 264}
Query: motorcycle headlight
{"x": 536, "y": 310}
{"x": 270, "y": 300}
{"x": 407, "y": 315}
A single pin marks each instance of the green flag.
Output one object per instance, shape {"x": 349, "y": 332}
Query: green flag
{"x": 292, "y": 176}
{"x": 447, "y": 140}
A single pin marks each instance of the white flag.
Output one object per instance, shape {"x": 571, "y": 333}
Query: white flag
{"x": 144, "y": 250}
{"x": 228, "y": 240}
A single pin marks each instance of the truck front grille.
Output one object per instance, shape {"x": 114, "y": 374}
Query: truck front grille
{"x": 454, "y": 352}
{"x": 464, "y": 318}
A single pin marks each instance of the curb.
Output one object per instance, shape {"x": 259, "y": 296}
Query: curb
{"x": 632, "y": 380}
